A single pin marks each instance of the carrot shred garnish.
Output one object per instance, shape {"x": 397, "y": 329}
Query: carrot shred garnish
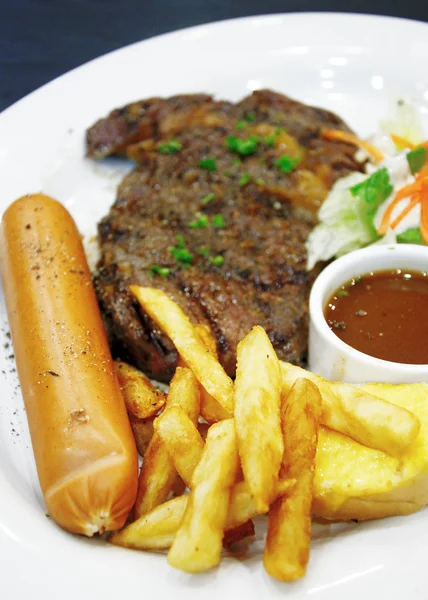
{"x": 345, "y": 136}
{"x": 424, "y": 211}
{"x": 402, "y": 142}
{"x": 413, "y": 202}
{"x": 383, "y": 227}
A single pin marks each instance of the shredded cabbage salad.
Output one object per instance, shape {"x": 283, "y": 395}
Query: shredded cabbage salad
{"x": 387, "y": 204}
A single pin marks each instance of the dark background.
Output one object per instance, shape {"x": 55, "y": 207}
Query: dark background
{"x": 41, "y": 39}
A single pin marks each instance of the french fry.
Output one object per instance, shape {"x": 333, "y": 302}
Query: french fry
{"x": 176, "y": 325}
{"x": 141, "y": 397}
{"x": 211, "y": 410}
{"x": 198, "y": 542}
{"x": 289, "y": 529}
{"x": 242, "y": 505}
{"x": 157, "y": 529}
{"x": 233, "y": 536}
{"x": 372, "y": 421}
{"x": 257, "y": 415}
{"x": 143, "y": 432}
{"x": 182, "y": 440}
{"x": 158, "y": 473}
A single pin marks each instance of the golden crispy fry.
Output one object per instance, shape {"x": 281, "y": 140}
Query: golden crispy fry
{"x": 367, "y": 419}
{"x": 158, "y": 473}
{"x": 211, "y": 410}
{"x": 198, "y": 542}
{"x": 172, "y": 320}
{"x": 141, "y": 397}
{"x": 182, "y": 441}
{"x": 257, "y": 415}
{"x": 157, "y": 529}
{"x": 143, "y": 432}
{"x": 233, "y": 536}
{"x": 289, "y": 530}
{"x": 242, "y": 505}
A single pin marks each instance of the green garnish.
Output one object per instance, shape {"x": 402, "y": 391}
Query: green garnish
{"x": 170, "y": 147}
{"x": 372, "y": 192}
{"x": 342, "y": 293}
{"x": 218, "y": 221}
{"x": 210, "y": 164}
{"x": 260, "y": 181}
{"x": 203, "y": 251}
{"x": 244, "y": 179}
{"x": 180, "y": 241}
{"x": 411, "y": 236}
{"x": 242, "y": 146}
{"x": 236, "y": 160}
{"x": 208, "y": 198}
{"x": 287, "y": 164}
{"x": 182, "y": 255}
{"x": 270, "y": 139}
{"x": 180, "y": 252}
{"x": 416, "y": 159}
{"x": 241, "y": 124}
{"x": 157, "y": 270}
{"x": 216, "y": 260}
{"x": 199, "y": 223}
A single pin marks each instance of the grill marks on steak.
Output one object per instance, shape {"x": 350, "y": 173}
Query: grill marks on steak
{"x": 263, "y": 279}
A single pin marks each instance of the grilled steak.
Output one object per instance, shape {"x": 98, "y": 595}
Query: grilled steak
{"x": 216, "y": 214}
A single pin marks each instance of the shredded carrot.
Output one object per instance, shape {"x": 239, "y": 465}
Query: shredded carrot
{"x": 350, "y": 138}
{"x": 408, "y": 190}
{"x": 413, "y": 202}
{"x": 383, "y": 227}
{"x": 424, "y": 211}
{"x": 402, "y": 142}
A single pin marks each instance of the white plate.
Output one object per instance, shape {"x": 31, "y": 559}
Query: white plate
{"x": 350, "y": 64}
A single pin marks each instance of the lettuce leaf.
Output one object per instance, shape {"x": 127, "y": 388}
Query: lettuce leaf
{"x": 346, "y": 217}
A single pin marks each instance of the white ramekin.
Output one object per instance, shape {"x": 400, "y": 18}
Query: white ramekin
{"x": 332, "y": 358}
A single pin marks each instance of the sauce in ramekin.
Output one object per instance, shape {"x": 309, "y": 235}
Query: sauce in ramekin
{"x": 383, "y": 314}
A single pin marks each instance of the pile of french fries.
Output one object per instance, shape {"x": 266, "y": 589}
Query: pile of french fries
{"x": 217, "y": 453}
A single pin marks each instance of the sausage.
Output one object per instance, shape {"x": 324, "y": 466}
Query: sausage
{"x": 85, "y": 453}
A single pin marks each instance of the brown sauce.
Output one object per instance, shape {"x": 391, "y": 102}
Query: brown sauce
{"x": 383, "y": 314}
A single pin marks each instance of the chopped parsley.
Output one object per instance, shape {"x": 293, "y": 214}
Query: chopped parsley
{"x": 241, "y": 124}
{"x": 170, "y": 147}
{"x": 411, "y": 236}
{"x": 182, "y": 255}
{"x": 180, "y": 252}
{"x": 209, "y": 164}
{"x": 242, "y": 146}
{"x": 236, "y": 160}
{"x": 208, "y": 198}
{"x": 218, "y": 221}
{"x": 416, "y": 159}
{"x": 157, "y": 270}
{"x": 199, "y": 223}
{"x": 244, "y": 179}
{"x": 372, "y": 192}
{"x": 343, "y": 293}
{"x": 270, "y": 139}
{"x": 216, "y": 260}
{"x": 180, "y": 241}
{"x": 260, "y": 181}
{"x": 287, "y": 164}
{"x": 203, "y": 251}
